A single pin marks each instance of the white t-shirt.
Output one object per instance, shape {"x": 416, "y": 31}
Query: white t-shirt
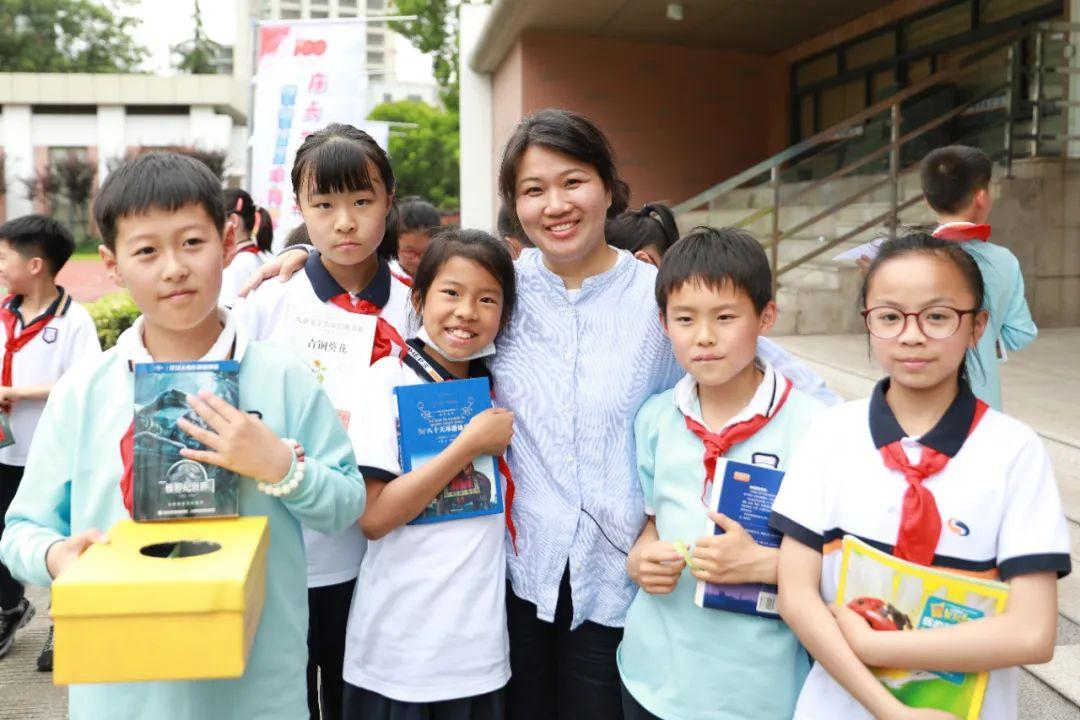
{"x": 239, "y": 270}
{"x": 998, "y": 500}
{"x": 331, "y": 559}
{"x": 428, "y": 619}
{"x": 68, "y": 338}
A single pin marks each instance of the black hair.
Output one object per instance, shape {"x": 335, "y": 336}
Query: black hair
{"x": 569, "y": 133}
{"x": 475, "y": 245}
{"x": 716, "y": 257}
{"x": 507, "y": 226}
{"x": 416, "y": 214}
{"x": 239, "y": 203}
{"x": 335, "y": 159}
{"x": 952, "y": 175}
{"x": 298, "y": 236}
{"x": 157, "y": 180}
{"x": 264, "y": 229}
{"x": 38, "y": 236}
{"x": 653, "y": 225}
{"x": 925, "y": 243}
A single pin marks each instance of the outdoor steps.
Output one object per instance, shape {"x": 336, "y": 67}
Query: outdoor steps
{"x": 1040, "y": 387}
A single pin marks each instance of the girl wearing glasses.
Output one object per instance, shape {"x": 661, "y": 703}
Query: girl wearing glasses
{"x": 925, "y": 471}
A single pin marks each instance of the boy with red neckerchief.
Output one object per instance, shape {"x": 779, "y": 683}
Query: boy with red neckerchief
{"x": 45, "y": 333}
{"x": 676, "y": 659}
{"x": 956, "y": 184}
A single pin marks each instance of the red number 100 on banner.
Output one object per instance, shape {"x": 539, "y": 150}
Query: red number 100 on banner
{"x": 309, "y": 47}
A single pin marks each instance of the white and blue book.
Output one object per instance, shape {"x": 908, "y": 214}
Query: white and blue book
{"x": 745, "y": 493}
{"x": 431, "y": 416}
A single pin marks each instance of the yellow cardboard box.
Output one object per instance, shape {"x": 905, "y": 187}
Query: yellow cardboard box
{"x": 154, "y": 604}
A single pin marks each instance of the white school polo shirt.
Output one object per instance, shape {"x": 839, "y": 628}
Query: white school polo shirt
{"x": 1001, "y": 515}
{"x": 331, "y": 560}
{"x": 246, "y": 262}
{"x": 428, "y": 618}
{"x": 68, "y": 338}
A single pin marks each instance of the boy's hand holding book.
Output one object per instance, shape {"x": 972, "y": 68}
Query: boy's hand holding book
{"x": 733, "y": 557}
{"x": 237, "y": 440}
{"x": 488, "y": 433}
{"x": 655, "y": 566}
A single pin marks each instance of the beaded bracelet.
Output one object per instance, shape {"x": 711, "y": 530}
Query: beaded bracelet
{"x": 292, "y": 478}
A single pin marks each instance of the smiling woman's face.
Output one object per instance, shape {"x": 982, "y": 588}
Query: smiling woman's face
{"x": 562, "y": 205}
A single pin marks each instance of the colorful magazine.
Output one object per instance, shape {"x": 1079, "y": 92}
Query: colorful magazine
{"x": 168, "y": 486}
{"x": 431, "y": 415}
{"x": 895, "y": 594}
{"x": 6, "y": 438}
{"x": 745, "y": 493}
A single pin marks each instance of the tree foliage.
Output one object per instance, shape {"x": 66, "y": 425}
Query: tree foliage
{"x": 434, "y": 31}
{"x": 197, "y": 56}
{"x": 67, "y": 36}
{"x": 426, "y": 158}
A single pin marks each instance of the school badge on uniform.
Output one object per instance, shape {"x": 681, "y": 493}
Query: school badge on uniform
{"x": 49, "y": 334}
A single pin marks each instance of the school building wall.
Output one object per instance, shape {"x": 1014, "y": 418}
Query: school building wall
{"x": 681, "y": 119}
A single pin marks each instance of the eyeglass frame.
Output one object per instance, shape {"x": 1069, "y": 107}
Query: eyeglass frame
{"x": 866, "y": 320}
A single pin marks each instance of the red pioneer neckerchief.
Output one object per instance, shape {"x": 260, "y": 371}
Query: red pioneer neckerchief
{"x": 717, "y": 444}
{"x": 16, "y": 342}
{"x": 920, "y": 522}
{"x": 963, "y": 233}
{"x": 386, "y": 337}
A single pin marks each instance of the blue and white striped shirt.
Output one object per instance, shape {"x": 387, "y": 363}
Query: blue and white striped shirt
{"x": 575, "y": 366}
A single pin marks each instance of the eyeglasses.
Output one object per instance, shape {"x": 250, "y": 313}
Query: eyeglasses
{"x": 937, "y": 323}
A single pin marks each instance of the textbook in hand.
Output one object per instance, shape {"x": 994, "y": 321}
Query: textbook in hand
{"x": 432, "y": 415}
{"x": 745, "y": 493}
{"x": 168, "y": 486}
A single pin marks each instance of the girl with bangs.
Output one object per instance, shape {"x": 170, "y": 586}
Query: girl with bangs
{"x": 344, "y": 186}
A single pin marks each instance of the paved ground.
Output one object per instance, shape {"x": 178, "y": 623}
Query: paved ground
{"x": 85, "y": 280}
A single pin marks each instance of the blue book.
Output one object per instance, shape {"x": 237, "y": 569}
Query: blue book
{"x": 430, "y": 416}
{"x": 168, "y": 486}
{"x": 745, "y": 493}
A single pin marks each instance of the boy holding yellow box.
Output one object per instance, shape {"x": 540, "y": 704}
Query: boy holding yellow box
{"x": 162, "y": 219}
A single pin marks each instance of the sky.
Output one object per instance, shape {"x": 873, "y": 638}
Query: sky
{"x": 164, "y": 23}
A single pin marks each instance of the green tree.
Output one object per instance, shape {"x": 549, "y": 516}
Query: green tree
{"x": 426, "y": 157}
{"x": 67, "y": 36}
{"x": 198, "y": 55}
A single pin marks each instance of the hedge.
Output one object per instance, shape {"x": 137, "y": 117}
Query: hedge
{"x": 113, "y": 314}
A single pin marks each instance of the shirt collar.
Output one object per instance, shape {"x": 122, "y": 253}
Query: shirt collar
{"x": 477, "y": 368}
{"x": 326, "y": 287}
{"x": 595, "y": 283}
{"x": 763, "y": 402}
{"x": 233, "y": 339}
{"x": 57, "y": 307}
{"x": 946, "y": 437}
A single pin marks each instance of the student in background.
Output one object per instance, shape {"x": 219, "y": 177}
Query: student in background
{"x": 255, "y": 231}
{"x": 891, "y": 469}
{"x": 344, "y": 186}
{"x": 418, "y": 220}
{"x": 162, "y": 220}
{"x": 297, "y": 236}
{"x": 46, "y": 334}
{"x": 427, "y": 628}
{"x": 511, "y": 235}
{"x": 956, "y": 184}
{"x": 678, "y": 660}
{"x": 646, "y": 233}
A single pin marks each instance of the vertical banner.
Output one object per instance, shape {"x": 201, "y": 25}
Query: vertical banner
{"x": 309, "y": 74}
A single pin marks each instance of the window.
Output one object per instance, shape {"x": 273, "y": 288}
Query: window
{"x": 415, "y": 98}
{"x": 375, "y": 40}
{"x": 319, "y": 13}
{"x": 375, "y": 58}
{"x": 376, "y": 5}
{"x": 288, "y": 13}
{"x": 376, "y": 77}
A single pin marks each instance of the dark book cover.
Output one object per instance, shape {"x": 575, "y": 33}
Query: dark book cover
{"x": 6, "y": 438}
{"x": 168, "y": 486}
{"x": 745, "y": 493}
{"x": 431, "y": 415}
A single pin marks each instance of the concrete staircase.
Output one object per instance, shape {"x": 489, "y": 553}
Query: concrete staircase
{"x": 1041, "y": 386}
{"x": 818, "y": 297}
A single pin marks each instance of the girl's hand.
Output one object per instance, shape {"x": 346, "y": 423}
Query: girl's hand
{"x": 61, "y": 554}
{"x": 732, "y": 557}
{"x": 655, "y": 566}
{"x": 906, "y": 713}
{"x": 236, "y": 440}
{"x": 284, "y": 266}
{"x": 857, "y": 632}
{"x": 489, "y": 432}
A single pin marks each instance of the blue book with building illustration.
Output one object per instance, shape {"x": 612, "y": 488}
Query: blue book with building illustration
{"x": 166, "y": 485}
{"x": 430, "y": 416}
{"x": 745, "y": 493}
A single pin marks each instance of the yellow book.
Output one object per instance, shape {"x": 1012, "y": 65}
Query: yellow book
{"x": 894, "y": 594}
